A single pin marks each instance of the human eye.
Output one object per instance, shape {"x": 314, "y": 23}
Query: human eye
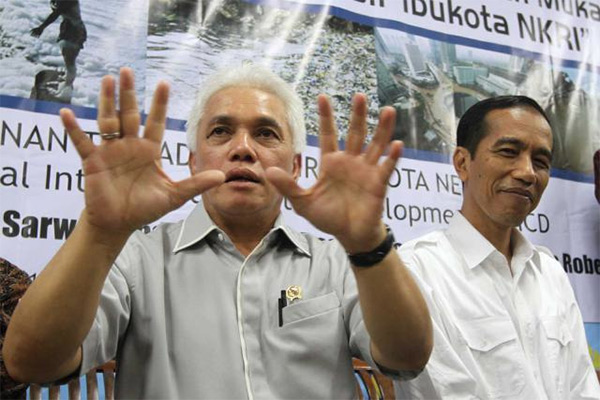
{"x": 267, "y": 133}
{"x": 542, "y": 163}
{"x": 218, "y": 131}
{"x": 508, "y": 151}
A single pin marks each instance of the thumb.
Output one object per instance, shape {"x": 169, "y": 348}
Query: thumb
{"x": 284, "y": 183}
{"x": 199, "y": 183}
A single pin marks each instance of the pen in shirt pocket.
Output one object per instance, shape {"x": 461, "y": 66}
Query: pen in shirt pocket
{"x": 281, "y": 303}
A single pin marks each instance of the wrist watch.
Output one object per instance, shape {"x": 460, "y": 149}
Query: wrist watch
{"x": 375, "y": 256}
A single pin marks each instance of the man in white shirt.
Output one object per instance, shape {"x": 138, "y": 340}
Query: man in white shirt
{"x": 506, "y": 323}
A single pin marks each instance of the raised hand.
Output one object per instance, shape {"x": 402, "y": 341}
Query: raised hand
{"x": 347, "y": 199}
{"x": 125, "y": 185}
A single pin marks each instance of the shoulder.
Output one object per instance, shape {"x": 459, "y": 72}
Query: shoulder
{"x": 322, "y": 248}
{"x": 145, "y": 254}
{"x": 168, "y": 231}
{"x": 430, "y": 257}
{"x": 150, "y": 243}
{"x": 428, "y": 245}
{"x": 546, "y": 255}
{"x": 429, "y": 240}
{"x": 324, "y": 253}
{"x": 549, "y": 265}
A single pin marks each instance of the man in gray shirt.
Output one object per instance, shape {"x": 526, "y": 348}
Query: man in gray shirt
{"x": 231, "y": 302}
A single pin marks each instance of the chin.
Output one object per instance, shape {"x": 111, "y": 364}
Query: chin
{"x": 243, "y": 206}
{"x": 513, "y": 220}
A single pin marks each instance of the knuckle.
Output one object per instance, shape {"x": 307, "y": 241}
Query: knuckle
{"x": 108, "y": 124}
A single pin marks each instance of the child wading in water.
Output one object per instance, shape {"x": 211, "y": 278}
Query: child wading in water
{"x": 70, "y": 39}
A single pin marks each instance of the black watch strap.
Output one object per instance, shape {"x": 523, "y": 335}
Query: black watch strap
{"x": 375, "y": 256}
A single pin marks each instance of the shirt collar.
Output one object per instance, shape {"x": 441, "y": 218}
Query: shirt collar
{"x": 198, "y": 225}
{"x": 195, "y": 228}
{"x": 476, "y": 248}
{"x": 523, "y": 249}
{"x": 468, "y": 241}
{"x": 298, "y": 239}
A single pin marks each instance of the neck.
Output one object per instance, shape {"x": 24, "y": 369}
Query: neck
{"x": 244, "y": 231}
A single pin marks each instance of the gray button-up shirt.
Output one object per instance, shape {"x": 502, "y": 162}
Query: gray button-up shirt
{"x": 187, "y": 316}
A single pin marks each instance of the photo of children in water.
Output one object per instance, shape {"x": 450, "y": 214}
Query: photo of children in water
{"x": 70, "y": 40}
{"x": 58, "y": 51}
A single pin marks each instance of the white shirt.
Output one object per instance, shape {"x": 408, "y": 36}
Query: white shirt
{"x": 497, "y": 335}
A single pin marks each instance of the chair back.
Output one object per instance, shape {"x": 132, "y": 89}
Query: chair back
{"x": 99, "y": 384}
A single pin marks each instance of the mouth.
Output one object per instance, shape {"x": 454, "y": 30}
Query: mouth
{"x": 241, "y": 175}
{"x": 520, "y": 192}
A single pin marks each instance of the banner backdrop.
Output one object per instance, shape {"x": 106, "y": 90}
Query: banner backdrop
{"x": 430, "y": 60}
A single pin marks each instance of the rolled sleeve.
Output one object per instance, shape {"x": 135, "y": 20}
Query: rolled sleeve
{"x": 112, "y": 318}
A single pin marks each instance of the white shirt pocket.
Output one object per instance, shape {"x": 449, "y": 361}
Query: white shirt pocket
{"x": 556, "y": 349}
{"x": 495, "y": 352}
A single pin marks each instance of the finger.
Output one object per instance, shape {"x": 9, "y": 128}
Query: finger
{"x": 81, "y": 141}
{"x": 155, "y": 123}
{"x": 327, "y": 128}
{"x": 129, "y": 113}
{"x": 383, "y": 134}
{"x": 108, "y": 120}
{"x": 387, "y": 167}
{"x": 357, "y": 130}
{"x": 198, "y": 184}
{"x": 284, "y": 183}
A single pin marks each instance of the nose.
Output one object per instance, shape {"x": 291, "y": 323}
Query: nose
{"x": 242, "y": 147}
{"x": 524, "y": 170}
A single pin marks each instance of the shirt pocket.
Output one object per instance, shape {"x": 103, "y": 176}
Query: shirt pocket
{"x": 495, "y": 351}
{"x": 556, "y": 330}
{"x": 558, "y": 337}
{"x": 303, "y": 309}
{"x": 310, "y": 351}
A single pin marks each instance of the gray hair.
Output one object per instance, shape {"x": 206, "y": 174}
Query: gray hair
{"x": 253, "y": 76}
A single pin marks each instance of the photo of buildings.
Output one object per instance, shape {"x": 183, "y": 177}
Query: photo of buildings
{"x": 432, "y": 83}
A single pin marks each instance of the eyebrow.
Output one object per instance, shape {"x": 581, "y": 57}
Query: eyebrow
{"x": 261, "y": 121}
{"x": 519, "y": 144}
{"x": 221, "y": 119}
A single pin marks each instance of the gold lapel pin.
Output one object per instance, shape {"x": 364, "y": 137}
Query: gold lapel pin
{"x": 293, "y": 292}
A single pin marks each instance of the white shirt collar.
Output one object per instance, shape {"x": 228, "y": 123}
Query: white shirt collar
{"x": 476, "y": 248}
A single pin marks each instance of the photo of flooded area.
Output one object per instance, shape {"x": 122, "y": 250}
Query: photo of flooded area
{"x": 432, "y": 83}
{"x": 316, "y": 53}
{"x": 59, "y": 50}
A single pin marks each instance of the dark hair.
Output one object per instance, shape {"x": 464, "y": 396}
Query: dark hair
{"x": 471, "y": 128}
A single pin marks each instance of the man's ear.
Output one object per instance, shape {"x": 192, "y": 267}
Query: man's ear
{"x": 192, "y": 163}
{"x": 297, "y": 166}
{"x": 462, "y": 161}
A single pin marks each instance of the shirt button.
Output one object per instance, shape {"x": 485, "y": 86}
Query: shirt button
{"x": 220, "y": 236}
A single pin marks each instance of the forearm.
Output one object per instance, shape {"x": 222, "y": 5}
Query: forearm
{"x": 395, "y": 314}
{"x": 50, "y": 19}
{"x": 52, "y": 319}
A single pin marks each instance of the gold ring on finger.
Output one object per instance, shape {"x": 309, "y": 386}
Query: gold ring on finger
{"x": 110, "y": 136}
